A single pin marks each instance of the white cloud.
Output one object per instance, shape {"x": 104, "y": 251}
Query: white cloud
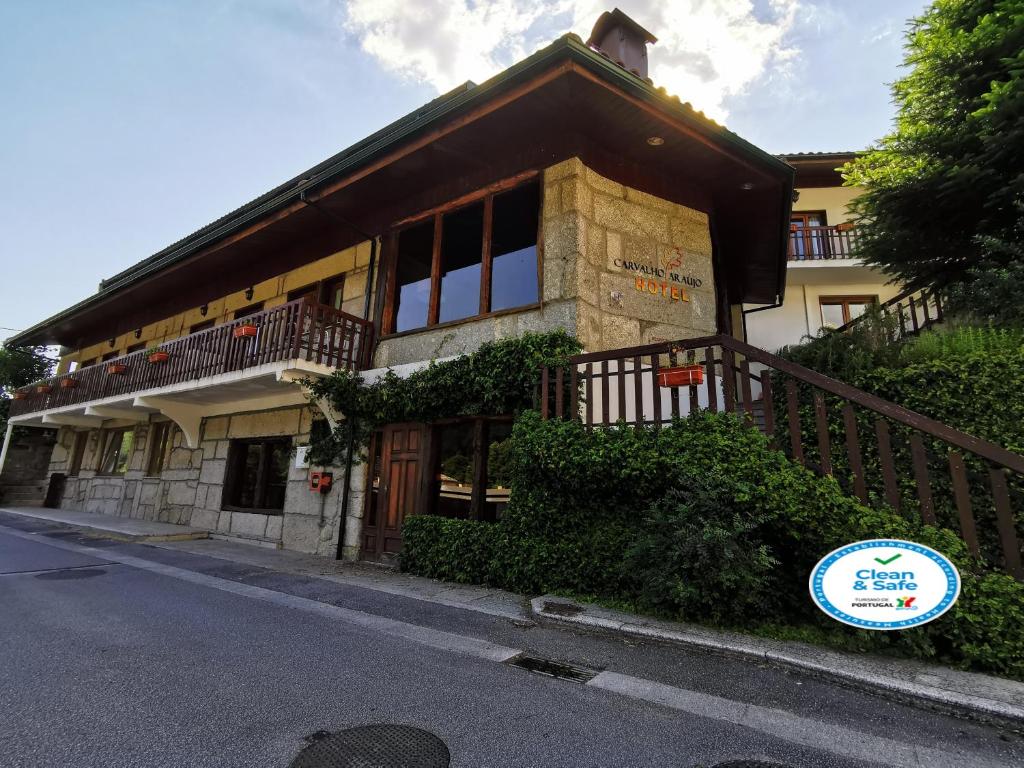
{"x": 707, "y": 50}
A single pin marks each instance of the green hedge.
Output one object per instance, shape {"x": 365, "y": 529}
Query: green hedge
{"x": 588, "y": 515}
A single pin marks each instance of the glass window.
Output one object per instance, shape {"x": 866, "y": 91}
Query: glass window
{"x": 806, "y": 239}
{"x": 78, "y": 453}
{"x": 252, "y": 309}
{"x": 498, "y": 476}
{"x": 514, "y": 248}
{"x": 462, "y": 237}
{"x": 203, "y": 326}
{"x": 257, "y": 475}
{"x": 332, "y": 291}
{"x": 454, "y": 470}
{"x": 159, "y": 438}
{"x": 839, "y": 310}
{"x": 109, "y": 356}
{"x": 412, "y": 284}
{"x": 117, "y": 451}
{"x": 510, "y": 263}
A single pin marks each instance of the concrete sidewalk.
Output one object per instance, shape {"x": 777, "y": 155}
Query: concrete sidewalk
{"x": 119, "y": 528}
{"x": 964, "y": 693}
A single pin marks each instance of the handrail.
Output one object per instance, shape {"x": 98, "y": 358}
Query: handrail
{"x": 631, "y": 388}
{"x": 816, "y": 243}
{"x": 299, "y": 329}
{"x": 916, "y": 310}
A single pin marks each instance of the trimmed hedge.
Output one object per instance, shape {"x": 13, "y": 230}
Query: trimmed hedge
{"x": 594, "y": 513}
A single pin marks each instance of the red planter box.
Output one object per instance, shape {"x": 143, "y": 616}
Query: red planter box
{"x": 68, "y": 383}
{"x": 242, "y": 331}
{"x": 117, "y": 369}
{"x": 44, "y": 389}
{"x": 21, "y": 395}
{"x": 159, "y": 357}
{"x": 681, "y": 376}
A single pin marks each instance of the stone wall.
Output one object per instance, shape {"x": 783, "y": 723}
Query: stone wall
{"x": 190, "y": 487}
{"x": 639, "y": 267}
{"x": 600, "y": 239}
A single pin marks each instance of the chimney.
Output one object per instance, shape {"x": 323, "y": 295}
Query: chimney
{"x": 622, "y": 40}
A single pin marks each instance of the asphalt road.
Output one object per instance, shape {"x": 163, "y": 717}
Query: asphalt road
{"x": 128, "y": 655}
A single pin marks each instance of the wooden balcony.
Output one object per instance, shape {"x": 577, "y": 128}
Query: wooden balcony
{"x": 822, "y": 243}
{"x": 298, "y": 330}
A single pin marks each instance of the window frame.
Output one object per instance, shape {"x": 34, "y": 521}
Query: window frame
{"x": 78, "y": 449}
{"x": 844, "y": 302}
{"x": 108, "y": 438}
{"x": 387, "y": 314}
{"x": 157, "y": 453}
{"x": 481, "y": 443}
{"x": 232, "y": 476}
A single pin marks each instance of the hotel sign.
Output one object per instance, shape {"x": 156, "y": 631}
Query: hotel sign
{"x": 663, "y": 279}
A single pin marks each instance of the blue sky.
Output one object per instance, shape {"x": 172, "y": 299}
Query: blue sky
{"x": 126, "y": 125}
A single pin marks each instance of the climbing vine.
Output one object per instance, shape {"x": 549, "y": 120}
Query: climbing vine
{"x": 498, "y": 379}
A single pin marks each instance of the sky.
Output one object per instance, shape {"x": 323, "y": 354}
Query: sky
{"x": 127, "y": 124}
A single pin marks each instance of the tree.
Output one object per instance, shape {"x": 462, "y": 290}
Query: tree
{"x": 20, "y": 366}
{"x": 943, "y": 202}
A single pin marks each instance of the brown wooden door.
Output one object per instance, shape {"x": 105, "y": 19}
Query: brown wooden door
{"x": 395, "y": 488}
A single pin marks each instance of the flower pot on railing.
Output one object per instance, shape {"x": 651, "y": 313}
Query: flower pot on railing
{"x": 158, "y": 356}
{"x": 68, "y": 383}
{"x": 681, "y": 376}
{"x": 20, "y": 395}
{"x": 117, "y": 369}
{"x": 44, "y": 389}
{"x": 244, "y": 331}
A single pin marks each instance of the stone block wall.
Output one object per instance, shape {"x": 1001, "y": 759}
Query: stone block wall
{"x": 189, "y": 490}
{"x": 639, "y": 267}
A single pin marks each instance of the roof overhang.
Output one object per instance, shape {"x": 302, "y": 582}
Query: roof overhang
{"x": 819, "y": 169}
{"x": 563, "y": 101}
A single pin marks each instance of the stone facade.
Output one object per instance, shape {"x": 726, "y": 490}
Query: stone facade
{"x": 189, "y": 489}
{"x": 599, "y": 239}
{"x": 616, "y": 250}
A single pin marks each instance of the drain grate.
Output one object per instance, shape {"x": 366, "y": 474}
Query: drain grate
{"x": 74, "y": 573}
{"x": 561, "y": 609}
{"x": 557, "y": 669}
{"x": 374, "y": 746}
{"x": 749, "y": 764}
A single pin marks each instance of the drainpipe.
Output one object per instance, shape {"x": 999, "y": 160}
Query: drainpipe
{"x": 746, "y": 312}
{"x": 343, "y": 517}
{"x": 7, "y": 442}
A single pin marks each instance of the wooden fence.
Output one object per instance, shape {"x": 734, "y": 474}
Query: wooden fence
{"x": 880, "y": 452}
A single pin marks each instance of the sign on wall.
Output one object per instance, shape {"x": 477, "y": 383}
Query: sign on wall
{"x": 663, "y": 279}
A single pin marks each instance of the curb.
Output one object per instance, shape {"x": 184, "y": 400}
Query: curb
{"x": 553, "y": 610}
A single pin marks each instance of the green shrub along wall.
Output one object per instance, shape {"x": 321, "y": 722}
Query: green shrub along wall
{"x": 701, "y": 521}
{"x": 974, "y": 387}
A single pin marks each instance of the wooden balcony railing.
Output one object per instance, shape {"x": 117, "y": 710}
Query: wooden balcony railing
{"x": 298, "y": 330}
{"x": 878, "y": 451}
{"x": 816, "y": 243}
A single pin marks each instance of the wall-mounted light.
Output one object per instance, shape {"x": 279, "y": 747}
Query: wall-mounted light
{"x": 138, "y": 333}
{"x": 655, "y": 141}
{"x": 204, "y": 309}
{"x": 112, "y": 342}
{"x": 747, "y": 185}
{"x": 248, "y": 293}
{"x": 796, "y": 195}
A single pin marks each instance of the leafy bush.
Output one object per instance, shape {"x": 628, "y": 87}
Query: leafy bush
{"x": 496, "y": 380}
{"x": 702, "y": 554}
{"x": 702, "y": 521}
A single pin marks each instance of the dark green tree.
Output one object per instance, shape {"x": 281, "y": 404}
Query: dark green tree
{"x": 943, "y": 205}
{"x": 19, "y": 366}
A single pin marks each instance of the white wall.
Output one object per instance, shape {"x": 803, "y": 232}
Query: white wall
{"x": 834, "y": 201}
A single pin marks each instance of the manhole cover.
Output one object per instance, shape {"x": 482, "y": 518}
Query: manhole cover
{"x": 78, "y": 573}
{"x": 557, "y": 669}
{"x": 375, "y": 746}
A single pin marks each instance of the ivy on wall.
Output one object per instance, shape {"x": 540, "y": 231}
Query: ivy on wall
{"x": 498, "y": 379}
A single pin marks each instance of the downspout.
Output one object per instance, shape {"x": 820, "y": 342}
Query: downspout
{"x": 343, "y": 519}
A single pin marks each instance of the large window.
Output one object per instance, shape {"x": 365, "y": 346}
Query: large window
{"x": 807, "y": 240}
{"x": 477, "y": 259}
{"x": 159, "y": 444}
{"x": 839, "y": 310}
{"x": 470, "y": 469}
{"x": 117, "y": 451}
{"x": 257, "y": 475}
{"x": 78, "y": 453}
